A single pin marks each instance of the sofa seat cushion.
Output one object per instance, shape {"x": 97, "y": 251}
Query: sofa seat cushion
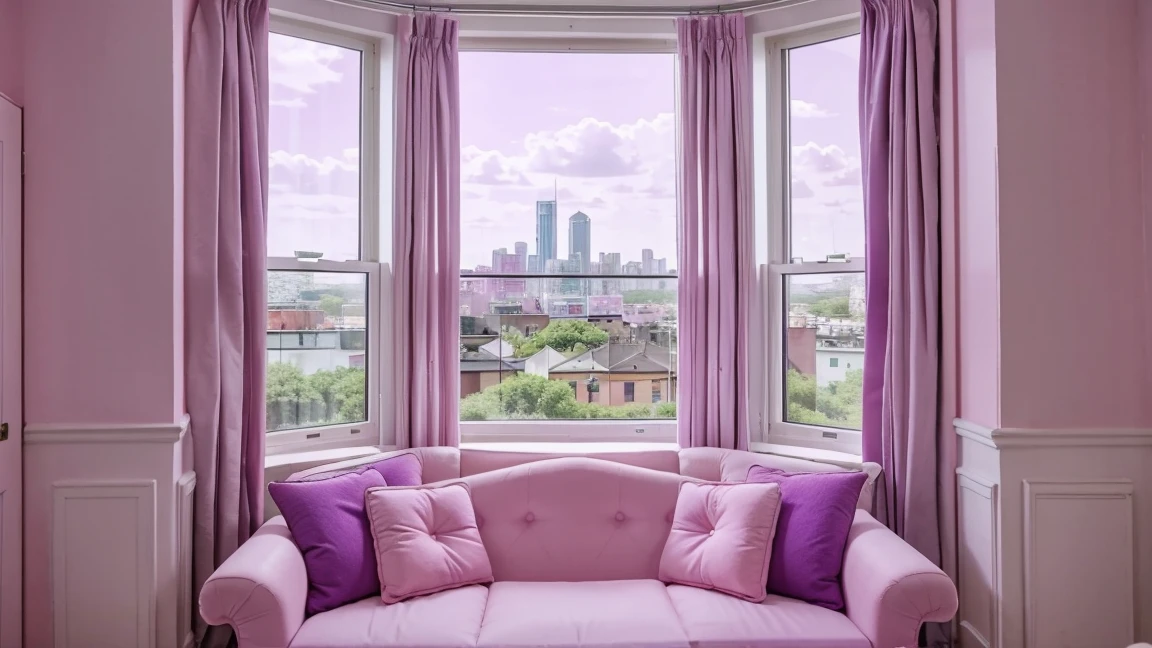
{"x": 635, "y": 613}
{"x": 715, "y": 620}
{"x": 449, "y": 619}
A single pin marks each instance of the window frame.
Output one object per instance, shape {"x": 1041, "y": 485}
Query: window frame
{"x": 777, "y": 175}
{"x": 375, "y": 197}
{"x": 570, "y": 35}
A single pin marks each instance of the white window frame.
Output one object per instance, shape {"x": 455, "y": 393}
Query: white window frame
{"x": 777, "y": 183}
{"x": 375, "y": 199}
{"x": 550, "y": 35}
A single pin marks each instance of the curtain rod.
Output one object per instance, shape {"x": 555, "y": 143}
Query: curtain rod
{"x": 590, "y": 11}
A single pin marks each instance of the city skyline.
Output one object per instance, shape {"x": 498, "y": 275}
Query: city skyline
{"x": 580, "y": 232}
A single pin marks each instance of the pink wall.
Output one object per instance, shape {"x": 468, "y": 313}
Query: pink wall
{"x": 1144, "y": 21}
{"x": 12, "y": 50}
{"x": 1072, "y": 274}
{"x": 103, "y": 119}
{"x": 973, "y": 238}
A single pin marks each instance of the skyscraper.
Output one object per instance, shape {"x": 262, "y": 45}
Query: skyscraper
{"x": 545, "y": 231}
{"x": 580, "y": 240}
{"x": 522, "y": 252}
{"x": 646, "y": 262}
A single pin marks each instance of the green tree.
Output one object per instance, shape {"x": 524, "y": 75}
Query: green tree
{"x": 331, "y": 304}
{"x": 285, "y": 381}
{"x": 666, "y": 410}
{"x": 350, "y": 394}
{"x": 834, "y": 307}
{"x": 839, "y": 404}
{"x": 563, "y": 335}
{"x": 526, "y": 396}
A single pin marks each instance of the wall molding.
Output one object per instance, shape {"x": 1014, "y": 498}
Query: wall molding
{"x": 988, "y": 490}
{"x": 143, "y": 538}
{"x": 70, "y": 433}
{"x": 1000, "y": 438}
{"x": 1122, "y": 547}
{"x": 185, "y": 489}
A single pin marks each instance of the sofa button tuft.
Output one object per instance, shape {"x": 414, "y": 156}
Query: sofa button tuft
{"x": 529, "y": 518}
{"x": 433, "y": 536}
{"x": 619, "y": 516}
{"x": 711, "y": 531}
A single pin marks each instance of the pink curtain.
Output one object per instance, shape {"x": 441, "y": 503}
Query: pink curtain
{"x": 427, "y": 233}
{"x": 902, "y": 230}
{"x": 716, "y": 230}
{"x": 225, "y": 217}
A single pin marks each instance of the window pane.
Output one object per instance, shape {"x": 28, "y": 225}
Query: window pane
{"x": 826, "y": 197}
{"x": 555, "y": 348}
{"x": 824, "y": 344}
{"x": 559, "y": 174}
{"x": 314, "y": 149}
{"x": 317, "y": 349}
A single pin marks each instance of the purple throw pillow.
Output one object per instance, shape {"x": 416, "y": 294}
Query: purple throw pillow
{"x": 401, "y": 470}
{"x": 816, "y": 513}
{"x": 329, "y": 523}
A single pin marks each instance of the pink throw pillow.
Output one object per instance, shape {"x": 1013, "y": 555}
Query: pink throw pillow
{"x": 426, "y": 540}
{"x": 721, "y": 538}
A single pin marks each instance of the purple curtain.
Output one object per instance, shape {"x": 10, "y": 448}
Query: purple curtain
{"x": 427, "y": 233}
{"x": 225, "y": 313}
{"x": 902, "y": 229}
{"x": 716, "y": 230}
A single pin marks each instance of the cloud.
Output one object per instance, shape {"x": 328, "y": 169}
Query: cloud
{"x": 592, "y": 148}
{"x": 301, "y": 65}
{"x": 490, "y": 168}
{"x": 805, "y": 110}
{"x": 820, "y": 159}
{"x": 622, "y": 189}
{"x": 801, "y": 190}
{"x": 295, "y": 102}
{"x": 846, "y": 178}
{"x": 305, "y": 175}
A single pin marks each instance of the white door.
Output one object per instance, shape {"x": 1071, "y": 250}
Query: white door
{"x": 11, "y": 399}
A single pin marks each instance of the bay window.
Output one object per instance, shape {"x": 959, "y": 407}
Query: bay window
{"x": 323, "y": 383}
{"x": 568, "y": 246}
{"x": 814, "y": 241}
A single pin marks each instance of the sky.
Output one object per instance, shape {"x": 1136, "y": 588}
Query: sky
{"x": 599, "y": 128}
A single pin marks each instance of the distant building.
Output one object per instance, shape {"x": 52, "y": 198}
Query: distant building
{"x": 521, "y": 249}
{"x": 647, "y": 262}
{"x": 533, "y": 263}
{"x": 610, "y": 263}
{"x": 625, "y": 373}
{"x": 580, "y": 240}
{"x": 662, "y": 266}
{"x": 545, "y": 231}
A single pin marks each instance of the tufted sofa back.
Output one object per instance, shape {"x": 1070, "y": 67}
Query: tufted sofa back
{"x": 574, "y": 519}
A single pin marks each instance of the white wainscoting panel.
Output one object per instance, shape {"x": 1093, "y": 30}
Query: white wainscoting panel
{"x": 185, "y": 490}
{"x": 104, "y": 564}
{"x": 1078, "y": 545}
{"x": 978, "y": 559}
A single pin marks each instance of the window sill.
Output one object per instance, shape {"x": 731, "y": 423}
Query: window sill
{"x": 844, "y": 459}
{"x": 280, "y": 466}
{"x": 569, "y": 447}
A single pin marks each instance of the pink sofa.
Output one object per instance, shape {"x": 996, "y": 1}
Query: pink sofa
{"x": 575, "y": 545}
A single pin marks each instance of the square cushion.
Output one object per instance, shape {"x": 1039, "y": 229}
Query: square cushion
{"x": 634, "y": 613}
{"x": 449, "y": 619}
{"x": 721, "y": 538}
{"x": 816, "y": 512}
{"x": 426, "y": 540}
{"x": 716, "y": 620}
{"x": 329, "y": 525}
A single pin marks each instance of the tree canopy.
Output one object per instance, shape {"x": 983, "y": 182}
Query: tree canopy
{"x": 563, "y": 335}
{"x": 321, "y": 398}
{"x": 838, "y": 404}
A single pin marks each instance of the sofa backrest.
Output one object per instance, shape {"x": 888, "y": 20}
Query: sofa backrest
{"x": 474, "y": 462}
{"x": 717, "y": 464}
{"x": 574, "y": 519}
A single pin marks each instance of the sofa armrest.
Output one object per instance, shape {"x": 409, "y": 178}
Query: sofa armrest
{"x": 260, "y": 590}
{"x": 890, "y": 589}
